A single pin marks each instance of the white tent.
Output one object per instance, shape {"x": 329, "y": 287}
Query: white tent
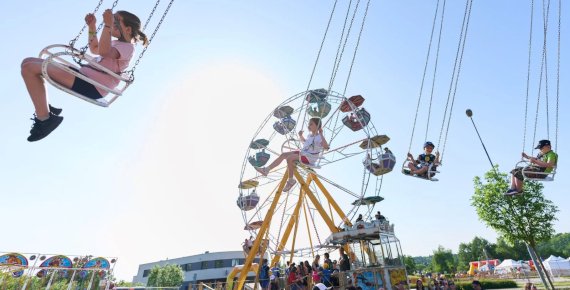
{"x": 511, "y": 266}
{"x": 557, "y": 266}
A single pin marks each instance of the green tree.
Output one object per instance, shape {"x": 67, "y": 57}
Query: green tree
{"x": 516, "y": 250}
{"x": 559, "y": 245}
{"x": 410, "y": 264}
{"x": 123, "y": 283}
{"x": 166, "y": 276}
{"x": 443, "y": 261}
{"x": 477, "y": 250}
{"x": 528, "y": 217}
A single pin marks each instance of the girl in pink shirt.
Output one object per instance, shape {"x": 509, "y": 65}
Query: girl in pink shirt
{"x": 112, "y": 54}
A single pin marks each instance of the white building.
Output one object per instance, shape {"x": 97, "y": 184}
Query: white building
{"x": 206, "y": 268}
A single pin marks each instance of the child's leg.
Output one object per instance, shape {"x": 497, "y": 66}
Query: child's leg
{"x": 284, "y": 156}
{"x": 518, "y": 184}
{"x": 421, "y": 171}
{"x": 412, "y": 167}
{"x": 31, "y": 70}
{"x": 291, "y": 159}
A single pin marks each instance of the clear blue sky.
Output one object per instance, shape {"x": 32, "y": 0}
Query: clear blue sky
{"x": 155, "y": 175}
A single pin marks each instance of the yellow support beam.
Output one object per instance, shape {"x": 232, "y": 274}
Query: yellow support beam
{"x": 315, "y": 201}
{"x": 308, "y": 230}
{"x": 292, "y": 221}
{"x": 332, "y": 201}
{"x": 262, "y": 231}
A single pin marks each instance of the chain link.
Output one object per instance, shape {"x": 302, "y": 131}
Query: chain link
{"x": 356, "y": 47}
{"x": 131, "y": 72}
{"x": 423, "y": 76}
{"x": 528, "y": 73}
{"x": 462, "y": 41}
{"x": 83, "y": 49}
{"x": 339, "y": 59}
{"x": 558, "y": 75}
{"x": 434, "y": 75}
{"x": 543, "y": 71}
{"x": 73, "y": 41}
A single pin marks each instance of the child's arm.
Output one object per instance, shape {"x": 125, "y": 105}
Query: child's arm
{"x": 105, "y": 48}
{"x": 324, "y": 143}
{"x": 436, "y": 158}
{"x": 411, "y": 158}
{"x": 93, "y": 42}
{"x": 541, "y": 163}
{"x": 301, "y": 137}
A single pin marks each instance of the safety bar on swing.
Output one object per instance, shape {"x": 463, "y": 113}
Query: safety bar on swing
{"x": 56, "y": 59}
{"x": 285, "y": 147}
{"x": 429, "y": 172}
{"x": 548, "y": 176}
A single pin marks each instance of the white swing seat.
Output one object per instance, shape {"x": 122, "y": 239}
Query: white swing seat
{"x": 428, "y": 176}
{"x": 531, "y": 175}
{"x": 294, "y": 145}
{"x": 58, "y": 59}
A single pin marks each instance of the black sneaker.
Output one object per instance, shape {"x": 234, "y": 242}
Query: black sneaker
{"x": 54, "y": 110}
{"x": 40, "y": 129}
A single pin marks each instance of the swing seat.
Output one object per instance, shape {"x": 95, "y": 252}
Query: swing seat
{"x": 357, "y": 120}
{"x": 284, "y": 126}
{"x": 354, "y": 101}
{"x": 321, "y": 110}
{"x": 248, "y": 202}
{"x": 535, "y": 175}
{"x": 282, "y": 112}
{"x": 318, "y": 95}
{"x": 428, "y": 175}
{"x": 61, "y": 56}
{"x": 260, "y": 159}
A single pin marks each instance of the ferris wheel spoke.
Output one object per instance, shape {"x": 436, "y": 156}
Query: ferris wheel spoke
{"x": 338, "y": 186}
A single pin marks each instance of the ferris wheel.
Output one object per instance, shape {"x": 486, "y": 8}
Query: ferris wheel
{"x": 328, "y": 191}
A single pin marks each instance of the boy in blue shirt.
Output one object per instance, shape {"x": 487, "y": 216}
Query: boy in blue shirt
{"x": 421, "y": 165}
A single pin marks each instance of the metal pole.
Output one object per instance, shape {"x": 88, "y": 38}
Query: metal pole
{"x": 469, "y": 114}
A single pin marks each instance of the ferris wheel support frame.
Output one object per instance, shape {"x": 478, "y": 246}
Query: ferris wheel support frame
{"x": 293, "y": 220}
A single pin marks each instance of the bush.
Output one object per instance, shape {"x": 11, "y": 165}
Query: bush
{"x": 488, "y": 284}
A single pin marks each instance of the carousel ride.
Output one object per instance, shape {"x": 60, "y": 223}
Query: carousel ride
{"x": 74, "y": 271}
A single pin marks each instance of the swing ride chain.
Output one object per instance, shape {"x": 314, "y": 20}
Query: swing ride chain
{"x": 150, "y": 15}
{"x": 356, "y": 47}
{"x": 435, "y": 68}
{"x": 558, "y": 75}
{"x": 337, "y": 63}
{"x": 316, "y": 62}
{"x": 455, "y": 76}
{"x": 543, "y": 70}
{"x": 528, "y": 73}
{"x": 73, "y": 41}
{"x": 84, "y": 48}
{"x": 131, "y": 72}
{"x": 468, "y": 16}
{"x": 424, "y": 76}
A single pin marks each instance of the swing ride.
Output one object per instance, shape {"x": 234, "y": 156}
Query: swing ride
{"x": 433, "y": 166}
{"x": 70, "y": 58}
{"x": 78, "y": 271}
{"x": 542, "y": 93}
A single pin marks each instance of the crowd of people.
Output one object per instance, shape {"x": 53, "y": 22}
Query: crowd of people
{"x": 305, "y": 275}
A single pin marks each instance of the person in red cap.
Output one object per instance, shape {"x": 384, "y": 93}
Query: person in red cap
{"x": 543, "y": 163}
